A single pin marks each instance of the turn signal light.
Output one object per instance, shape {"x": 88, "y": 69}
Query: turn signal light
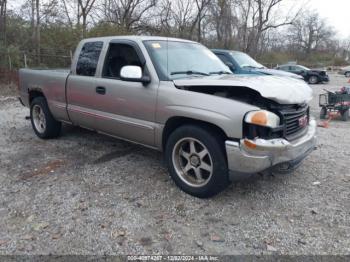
{"x": 249, "y": 144}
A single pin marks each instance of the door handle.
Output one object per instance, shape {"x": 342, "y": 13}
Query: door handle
{"x": 101, "y": 90}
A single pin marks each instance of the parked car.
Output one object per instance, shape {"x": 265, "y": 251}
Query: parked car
{"x": 345, "y": 71}
{"x": 176, "y": 96}
{"x": 311, "y": 76}
{"x": 241, "y": 63}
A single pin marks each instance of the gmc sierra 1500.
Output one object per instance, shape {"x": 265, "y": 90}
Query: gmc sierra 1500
{"x": 176, "y": 96}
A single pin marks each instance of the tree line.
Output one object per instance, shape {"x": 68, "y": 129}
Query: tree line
{"x": 45, "y": 32}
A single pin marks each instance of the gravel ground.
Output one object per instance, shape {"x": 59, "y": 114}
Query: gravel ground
{"x": 86, "y": 193}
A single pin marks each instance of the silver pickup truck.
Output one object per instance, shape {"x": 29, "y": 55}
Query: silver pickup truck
{"x": 176, "y": 96}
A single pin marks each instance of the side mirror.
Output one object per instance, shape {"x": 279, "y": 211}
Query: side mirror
{"x": 231, "y": 66}
{"x": 133, "y": 74}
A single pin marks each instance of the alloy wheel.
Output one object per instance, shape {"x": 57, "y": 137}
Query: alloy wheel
{"x": 193, "y": 162}
{"x": 39, "y": 119}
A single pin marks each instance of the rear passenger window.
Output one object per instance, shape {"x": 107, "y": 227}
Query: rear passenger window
{"x": 88, "y": 58}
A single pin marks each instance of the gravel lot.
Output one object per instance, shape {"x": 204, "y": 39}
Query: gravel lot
{"x": 86, "y": 193}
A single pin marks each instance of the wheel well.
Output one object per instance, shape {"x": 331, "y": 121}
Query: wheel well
{"x": 34, "y": 94}
{"x": 175, "y": 122}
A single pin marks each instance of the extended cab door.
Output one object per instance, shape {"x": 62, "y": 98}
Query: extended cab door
{"x": 124, "y": 109}
{"x": 81, "y": 85}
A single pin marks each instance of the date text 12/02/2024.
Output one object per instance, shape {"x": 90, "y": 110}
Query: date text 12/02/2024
{"x": 173, "y": 258}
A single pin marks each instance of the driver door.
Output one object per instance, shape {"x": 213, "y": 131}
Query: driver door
{"x": 127, "y": 109}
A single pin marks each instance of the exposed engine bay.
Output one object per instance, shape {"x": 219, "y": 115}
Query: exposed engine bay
{"x": 239, "y": 93}
{"x": 290, "y": 115}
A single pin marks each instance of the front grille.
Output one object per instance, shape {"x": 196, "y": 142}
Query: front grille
{"x": 291, "y": 116}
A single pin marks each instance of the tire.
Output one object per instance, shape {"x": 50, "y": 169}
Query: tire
{"x": 347, "y": 74}
{"x": 43, "y": 123}
{"x": 196, "y": 161}
{"x": 313, "y": 80}
{"x": 345, "y": 115}
{"x": 323, "y": 113}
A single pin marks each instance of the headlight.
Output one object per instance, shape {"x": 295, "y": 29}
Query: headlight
{"x": 263, "y": 118}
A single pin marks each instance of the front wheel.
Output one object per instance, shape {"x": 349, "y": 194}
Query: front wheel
{"x": 347, "y": 74}
{"x": 313, "y": 80}
{"x": 43, "y": 123}
{"x": 196, "y": 161}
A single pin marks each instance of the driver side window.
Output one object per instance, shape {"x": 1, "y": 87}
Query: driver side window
{"x": 118, "y": 56}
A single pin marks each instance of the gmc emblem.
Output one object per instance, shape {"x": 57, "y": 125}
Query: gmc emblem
{"x": 303, "y": 121}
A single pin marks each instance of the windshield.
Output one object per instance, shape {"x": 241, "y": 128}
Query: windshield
{"x": 174, "y": 60}
{"x": 244, "y": 60}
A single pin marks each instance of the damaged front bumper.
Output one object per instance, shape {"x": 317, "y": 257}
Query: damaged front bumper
{"x": 249, "y": 157}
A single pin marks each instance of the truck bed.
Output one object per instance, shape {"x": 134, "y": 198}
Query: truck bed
{"x": 51, "y": 82}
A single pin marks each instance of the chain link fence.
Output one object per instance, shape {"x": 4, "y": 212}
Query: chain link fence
{"x": 12, "y": 60}
{"x": 48, "y": 58}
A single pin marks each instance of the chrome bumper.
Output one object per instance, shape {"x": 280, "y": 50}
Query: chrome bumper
{"x": 269, "y": 153}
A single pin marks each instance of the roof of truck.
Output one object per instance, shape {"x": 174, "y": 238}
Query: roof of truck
{"x": 137, "y": 38}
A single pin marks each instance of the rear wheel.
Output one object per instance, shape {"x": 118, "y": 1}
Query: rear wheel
{"x": 323, "y": 113}
{"x": 313, "y": 80}
{"x": 43, "y": 123}
{"x": 196, "y": 161}
{"x": 347, "y": 74}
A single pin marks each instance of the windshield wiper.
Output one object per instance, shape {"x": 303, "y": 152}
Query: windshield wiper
{"x": 253, "y": 67}
{"x": 190, "y": 72}
{"x": 220, "y": 73}
{"x": 248, "y": 66}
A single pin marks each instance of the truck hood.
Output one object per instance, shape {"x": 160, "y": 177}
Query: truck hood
{"x": 283, "y": 90}
{"x": 275, "y": 72}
